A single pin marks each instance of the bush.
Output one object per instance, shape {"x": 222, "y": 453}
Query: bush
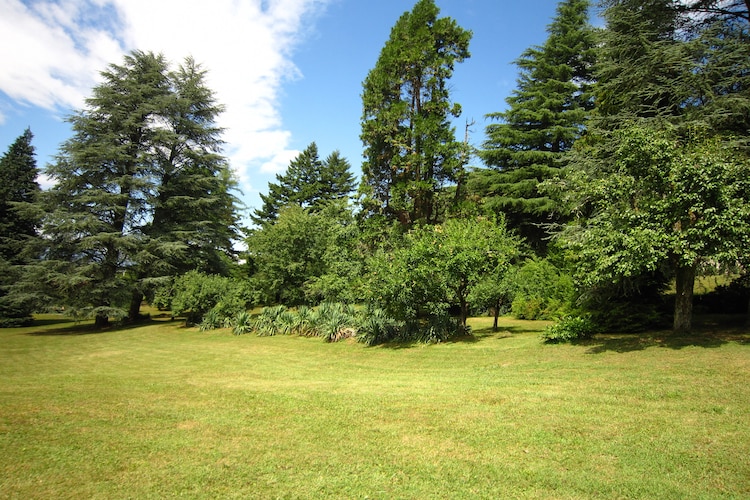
{"x": 540, "y": 291}
{"x": 211, "y": 321}
{"x": 568, "y": 329}
{"x": 377, "y": 327}
{"x": 196, "y": 293}
{"x": 267, "y": 323}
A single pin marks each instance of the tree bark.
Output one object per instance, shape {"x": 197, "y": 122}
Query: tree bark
{"x": 135, "y": 305}
{"x": 101, "y": 321}
{"x": 683, "y": 306}
{"x": 496, "y": 313}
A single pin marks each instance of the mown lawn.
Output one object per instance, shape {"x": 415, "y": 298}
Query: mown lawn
{"x": 162, "y": 411}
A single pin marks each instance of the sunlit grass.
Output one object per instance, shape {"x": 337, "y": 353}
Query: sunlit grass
{"x": 163, "y": 411}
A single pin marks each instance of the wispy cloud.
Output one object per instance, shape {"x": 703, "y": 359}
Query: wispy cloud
{"x": 53, "y": 51}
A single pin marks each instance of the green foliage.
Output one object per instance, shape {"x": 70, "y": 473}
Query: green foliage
{"x": 304, "y": 257}
{"x": 141, "y": 189}
{"x": 410, "y": 146}
{"x": 195, "y": 294}
{"x": 18, "y": 229}
{"x": 545, "y": 116}
{"x": 568, "y": 329}
{"x": 309, "y": 183}
{"x": 540, "y": 290}
{"x": 377, "y": 327}
{"x": 663, "y": 203}
{"x": 242, "y": 323}
{"x": 435, "y": 268}
{"x": 267, "y": 323}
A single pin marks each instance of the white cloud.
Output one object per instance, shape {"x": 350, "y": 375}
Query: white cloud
{"x": 53, "y": 51}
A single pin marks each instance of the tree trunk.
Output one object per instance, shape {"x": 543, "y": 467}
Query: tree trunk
{"x": 135, "y": 305}
{"x": 496, "y": 312}
{"x": 683, "y": 306}
{"x": 464, "y": 313}
{"x": 101, "y": 321}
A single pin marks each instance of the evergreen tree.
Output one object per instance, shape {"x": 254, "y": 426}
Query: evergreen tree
{"x": 308, "y": 182}
{"x": 141, "y": 189}
{"x": 410, "y": 146}
{"x": 545, "y": 115}
{"x": 18, "y": 226}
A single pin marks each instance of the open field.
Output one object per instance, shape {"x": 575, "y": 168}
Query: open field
{"x": 162, "y": 411}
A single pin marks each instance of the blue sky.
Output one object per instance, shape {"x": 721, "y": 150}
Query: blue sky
{"x": 288, "y": 71}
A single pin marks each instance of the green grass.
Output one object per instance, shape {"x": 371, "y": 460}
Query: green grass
{"x": 162, "y": 411}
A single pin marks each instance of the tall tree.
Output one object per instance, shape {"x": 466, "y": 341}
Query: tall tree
{"x": 660, "y": 178}
{"x": 410, "y": 145}
{"x": 18, "y": 225}
{"x": 546, "y": 114}
{"x": 141, "y": 189}
{"x": 308, "y": 182}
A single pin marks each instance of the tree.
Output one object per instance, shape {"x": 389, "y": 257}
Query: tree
{"x": 546, "y": 114}
{"x": 672, "y": 103}
{"x": 141, "y": 189}
{"x": 410, "y": 145}
{"x": 308, "y": 182}
{"x": 663, "y": 203}
{"x": 438, "y": 267}
{"x": 194, "y": 219}
{"x": 18, "y": 226}
{"x": 291, "y": 256}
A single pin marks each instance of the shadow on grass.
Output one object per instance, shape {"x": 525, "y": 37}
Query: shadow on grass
{"x": 709, "y": 332}
{"x": 477, "y": 335}
{"x": 41, "y": 327}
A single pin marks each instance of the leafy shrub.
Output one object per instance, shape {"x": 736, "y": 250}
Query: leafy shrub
{"x": 211, "y": 321}
{"x": 196, "y": 293}
{"x": 377, "y": 327}
{"x": 336, "y": 321}
{"x": 540, "y": 290}
{"x": 306, "y": 322}
{"x": 568, "y": 329}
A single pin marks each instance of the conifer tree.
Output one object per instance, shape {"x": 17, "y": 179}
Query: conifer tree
{"x": 410, "y": 146}
{"x": 308, "y": 182}
{"x": 141, "y": 190}
{"x": 545, "y": 115}
{"x": 18, "y": 226}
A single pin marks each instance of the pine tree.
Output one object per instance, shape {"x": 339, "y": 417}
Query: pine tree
{"x": 18, "y": 226}
{"x": 308, "y": 182}
{"x": 545, "y": 115}
{"x": 410, "y": 146}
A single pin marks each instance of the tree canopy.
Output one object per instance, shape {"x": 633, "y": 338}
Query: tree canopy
{"x": 19, "y": 224}
{"x": 141, "y": 189}
{"x": 307, "y": 182}
{"x": 410, "y": 146}
{"x": 546, "y": 114}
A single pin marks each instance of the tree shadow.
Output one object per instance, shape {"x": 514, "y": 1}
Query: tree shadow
{"x": 709, "y": 332}
{"x": 74, "y": 328}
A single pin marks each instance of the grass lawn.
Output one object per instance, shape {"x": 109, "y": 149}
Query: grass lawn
{"x": 162, "y": 411}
